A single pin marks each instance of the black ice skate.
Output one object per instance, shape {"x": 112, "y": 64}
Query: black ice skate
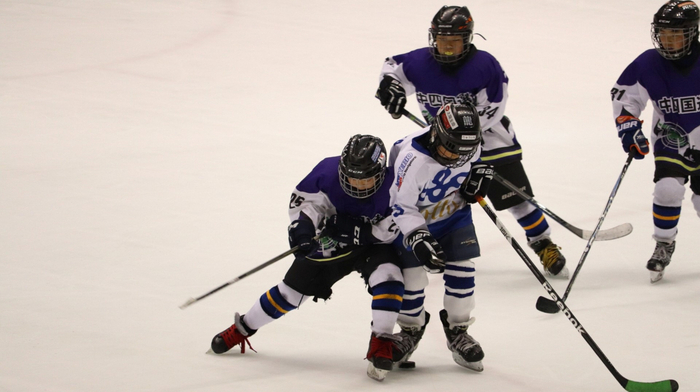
{"x": 407, "y": 341}
{"x": 660, "y": 259}
{"x": 551, "y": 258}
{"x": 465, "y": 350}
{"x": 236, "y": 334}
{"x": 379, "y": 356}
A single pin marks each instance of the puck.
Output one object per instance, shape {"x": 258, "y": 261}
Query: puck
{"x": 407, "y": 365}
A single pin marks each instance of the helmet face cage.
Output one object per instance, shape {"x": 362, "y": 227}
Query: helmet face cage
{"x": 675, "y": 20}
{"x": 363, "y": 161}
{"x": 457, "y": 130}
{"x": 451, "y": 20}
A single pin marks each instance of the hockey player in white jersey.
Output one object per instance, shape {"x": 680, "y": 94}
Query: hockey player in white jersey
{"x": 348, "y": 197}
{"x": 452, "y": 70}
{"x": 436, "y": 177}
{"x": 669, "y": 77}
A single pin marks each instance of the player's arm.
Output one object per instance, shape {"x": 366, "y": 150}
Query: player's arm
{"x": 308, "y": 207}
{"x": 491, "y": 99}
{"x": 629, "y": 99}
{"x": 394, "y": 87}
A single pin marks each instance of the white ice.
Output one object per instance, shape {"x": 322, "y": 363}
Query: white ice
{"x": 147, "y": 154}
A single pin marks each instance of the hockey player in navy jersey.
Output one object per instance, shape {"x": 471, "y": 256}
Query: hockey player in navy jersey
{"x": 669, "y": 77}
{"x": 436, "y": 177}
{"x": 345, "y": 199}
{"x": 451, "y": 70}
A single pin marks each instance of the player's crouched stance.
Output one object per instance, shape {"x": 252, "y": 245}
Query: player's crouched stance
{"x": 346, "y": 200}
{"x": 437, "y": 176}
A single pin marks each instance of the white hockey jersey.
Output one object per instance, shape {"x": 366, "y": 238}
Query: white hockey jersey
{"x": 424, "y": 194}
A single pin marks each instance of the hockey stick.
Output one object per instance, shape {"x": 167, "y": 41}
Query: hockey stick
{"x": 232, "y": 281}
{"x": 629, "y": 385}
{"x": 547, "y": 305}
{"x": 604, "y": 235}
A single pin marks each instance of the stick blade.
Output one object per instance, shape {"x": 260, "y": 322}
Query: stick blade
{"x": 659, "y": 386}
{"x": 613, "y": 233}
{"x": 546, "y": 305}
{"x": 188, "y": 303}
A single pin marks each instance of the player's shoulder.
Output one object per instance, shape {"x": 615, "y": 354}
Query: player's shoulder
{"x": 483, "y": 58}
{"x": 648, "y": 57}
{"x": 642, "y": 67}
{"x": 322, "y": 177}
{"x": 419, "y": 55}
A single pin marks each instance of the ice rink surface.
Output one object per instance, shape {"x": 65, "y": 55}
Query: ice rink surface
{"x": 147, "y": 154}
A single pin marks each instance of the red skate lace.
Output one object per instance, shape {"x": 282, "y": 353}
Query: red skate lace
{"x": 379, "y": 349}
{"x": 232, "y": 337}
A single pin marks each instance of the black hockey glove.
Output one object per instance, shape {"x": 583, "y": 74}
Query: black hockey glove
{"x": 301, "y": 234}
{"x": 349, "y": 230}
{"x": 392, "y": 95}
{"x": 427, "y": 250}
{"x": 477, "y": 183}
{"x": 629, "y": 129}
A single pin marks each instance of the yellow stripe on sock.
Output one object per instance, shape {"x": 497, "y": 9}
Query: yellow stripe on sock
{"x": 269, "y": 298}
{"x": 534, "y": 224}
{"x": 388, "y": 296}
{"x": 666, "y": 218}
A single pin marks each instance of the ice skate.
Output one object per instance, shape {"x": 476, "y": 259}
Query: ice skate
{"x": 466, "y": 351}
{"x": 236, "y": 334}
{"x": 379, "y": 355}
{"x": 660, "y": 259}
{"x": 552, "y": 260}
{"x": 407, "y": 341}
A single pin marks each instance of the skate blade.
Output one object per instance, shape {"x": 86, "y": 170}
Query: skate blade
{"x": 475, "y": 366}
{"x": 655, "y": 276}
{"x": 376, "y": 374}
{"x": 563, "y": 274}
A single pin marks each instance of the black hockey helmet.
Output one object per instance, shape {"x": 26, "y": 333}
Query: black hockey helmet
{"x": 362, "y": 166}
{"x": 457, "y": 130}
{"x": 675, "y": 18}
{"x": 451, "y": 20}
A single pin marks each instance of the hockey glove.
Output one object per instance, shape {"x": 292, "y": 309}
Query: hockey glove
{"x": 427, "y": 250}
{"x": 629, "y": 129}
{"x": 349, "y": 230}
{"x": 392, "y": 95}
{"x": 301, "y": 234}
{"x": 477, "y": 183}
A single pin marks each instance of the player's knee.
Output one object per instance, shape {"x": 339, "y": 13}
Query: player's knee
{"x": 415, "y": 278}
{"x": 383, "y": 273}
{"x": 669, "y": 191}
{"x": 696, "y": 203}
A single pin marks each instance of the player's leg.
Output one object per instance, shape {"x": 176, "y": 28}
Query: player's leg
{"x": 668, "y": 196}
{"x": 305, "y": 278}
{"x": 380, "y": 270}
{"x": 530, "y": 218}
{"x": 412, "y": 318}
{"x": 460, "y": 247}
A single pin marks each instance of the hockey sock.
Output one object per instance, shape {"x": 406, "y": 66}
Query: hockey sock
{"x": 668, "y": 197}
{"x": 459, "y": 290}
{"x": 532, "y": 221}
{"x": 666, "y": 221}
{"x": 272, "y": 305}
{"x": 534, "y": 224}
{"x": 415, "y": 282}
{"x": 387, "y": 288}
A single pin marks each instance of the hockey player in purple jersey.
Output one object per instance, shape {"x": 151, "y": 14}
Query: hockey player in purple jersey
{"x": 452, "y": 70}
{"x": 437, "y": 175}
{"x": 346, "y": 200}
{"x": 669, "y": 77}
